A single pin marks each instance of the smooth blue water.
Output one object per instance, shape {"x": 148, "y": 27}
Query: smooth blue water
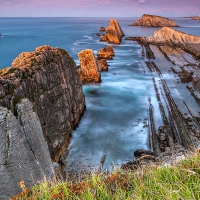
{"x": 117, "y": 107}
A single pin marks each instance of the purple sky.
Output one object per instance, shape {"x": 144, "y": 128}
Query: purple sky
{"x": 98, "y": 8}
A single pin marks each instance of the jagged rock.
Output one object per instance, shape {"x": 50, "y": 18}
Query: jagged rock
{"x": 153, "y": 20}
{"x": 24, "y": 153}
{"x": 98, "y": 34}
{"x": 106, "y": 53}
{"x": 89, "y": 71}
{"x": 114, "y": 33}
{"x": 102, "y": 29}
{"x": 48, "y": 78}
{"x": 103, "y": 38}
{"x": 103, "y": 64}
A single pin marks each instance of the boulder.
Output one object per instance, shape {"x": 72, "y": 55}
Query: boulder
{"x": 89, "y": 71}
{"x": 113, "y": 33}
{"x": 48, "y": 78}
{"x": 106, "y": 53}
{"x": 24, "y": 153}
{"x": 98, "y": 34}
{"x": 156, "y": 21}
{"x": 102, "y": 29}
{"x": 103, "y": 64}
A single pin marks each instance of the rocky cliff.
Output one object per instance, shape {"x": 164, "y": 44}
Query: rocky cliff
{"x": 153, "y": 20}
{"x": 48, "y": 78}
{"x": 113, "y": 33}
{"x": 89, "y": 71}
{"x": 24, "y": 153}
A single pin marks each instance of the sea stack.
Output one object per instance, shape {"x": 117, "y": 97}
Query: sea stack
{"x": 89, "y": 71}
{"x": 41, "y": 102}
{"x": 155, "y": 21}
{"x": 106, "y": 53}
{"x": 113, "y": 33}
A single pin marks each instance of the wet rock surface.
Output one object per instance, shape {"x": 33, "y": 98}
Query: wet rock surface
{"x": 48, "y": 78}
{"x": 113, "y": 33}
{"x": 106, "y": 53}
{"x": 103, "y": 64}
{"x": 89, "y": 72}
{"x": 24, "y": 153}
{"x": 155, "y": 21}
{"x": 178, "y": 136}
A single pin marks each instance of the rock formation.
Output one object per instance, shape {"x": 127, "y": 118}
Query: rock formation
{"x": 196, "y": 18}
{"x": 102, "y": 29}
{"x": 113, "y": 33}
{"x": 187, "y": 42}
{"x": 48, "y": 78}
{"x": 24, "y": 153}
{"x": 89, "y": 71}
{"x": 153, "y": 20}
{"x": 106, "y": 53}
{"x": 103, "y": 64}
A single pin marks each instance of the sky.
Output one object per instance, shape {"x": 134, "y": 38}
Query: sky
{"x": 98, "y": 8}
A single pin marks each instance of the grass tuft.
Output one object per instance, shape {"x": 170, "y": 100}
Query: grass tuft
{"x": 181, "y": 181}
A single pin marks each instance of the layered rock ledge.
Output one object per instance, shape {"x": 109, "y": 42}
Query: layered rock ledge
{"x": 171, "y": 37}
{"x": 155, "y": 21}
{"x": 113, "y": 33}
{"x": 48, "y": 78}
{"x": 89, "y": 72}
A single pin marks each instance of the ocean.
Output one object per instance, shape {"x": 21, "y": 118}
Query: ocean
{"x": 117, "y": 108}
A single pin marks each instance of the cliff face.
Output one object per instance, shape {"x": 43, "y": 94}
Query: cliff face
{"x": 113, "y": 33}
{"x": 153, "y": 20}
{"x": 24, "y": 153}
{"x": 89, "y": 71}
{"x": 48, "y": 78}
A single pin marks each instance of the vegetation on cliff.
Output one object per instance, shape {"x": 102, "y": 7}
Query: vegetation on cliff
{"x": 180, "y": 181}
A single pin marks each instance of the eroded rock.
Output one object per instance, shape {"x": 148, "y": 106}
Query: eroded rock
{"x": 113, "y": 33}
{"x": 103, "y": 64}
{"x": 106, "y": 53}
{"x": 153, "y": 20}
{"x": 89, "y": 71}
{"x": 48, "y": 78}
{"x": 102, "y": 29}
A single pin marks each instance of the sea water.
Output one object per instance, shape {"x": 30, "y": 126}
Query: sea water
{"x": 117, "y": 108}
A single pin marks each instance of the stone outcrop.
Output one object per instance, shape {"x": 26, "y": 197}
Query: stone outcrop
{"x": 89, "y": 71}
{"x": 103, "y": 64}
{"x": 106, "y": 53}
{"x": 24, "y": 153}
{"x": 178, "y": 39}
{"x": 102, "y": 29}
{"x": 156, "y": 21}
{"x": 113, "y": 33}
{"x": 48, "y": 78}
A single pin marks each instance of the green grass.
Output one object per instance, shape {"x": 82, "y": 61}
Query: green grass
{"x": 178, "y": 182}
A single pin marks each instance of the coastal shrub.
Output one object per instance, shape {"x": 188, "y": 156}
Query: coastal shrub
{"x": 181, "y": 181}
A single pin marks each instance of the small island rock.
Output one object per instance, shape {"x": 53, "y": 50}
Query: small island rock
{"x": 155, "y": 21}
{"x": 89, "y": 71}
